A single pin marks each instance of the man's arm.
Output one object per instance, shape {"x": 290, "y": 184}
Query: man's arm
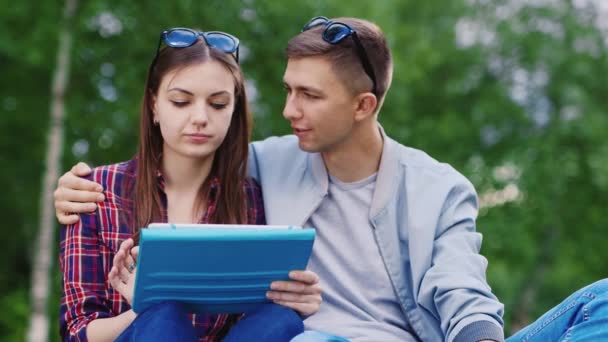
{"x": 75, "y": 195}
{"x": 455, "y": 287}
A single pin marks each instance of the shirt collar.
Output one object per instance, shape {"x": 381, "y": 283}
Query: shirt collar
{"x": 212, "y": 195}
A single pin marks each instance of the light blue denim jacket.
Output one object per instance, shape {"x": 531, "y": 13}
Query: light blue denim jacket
{"x": 423, "y": 213}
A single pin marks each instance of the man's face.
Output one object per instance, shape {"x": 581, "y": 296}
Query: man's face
{"x": 318, "y": 105}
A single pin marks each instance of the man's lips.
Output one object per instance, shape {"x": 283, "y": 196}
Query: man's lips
{"x": 300, "y": 130}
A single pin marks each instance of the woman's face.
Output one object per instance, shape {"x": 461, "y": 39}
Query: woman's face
{"x": 193, "y": 108}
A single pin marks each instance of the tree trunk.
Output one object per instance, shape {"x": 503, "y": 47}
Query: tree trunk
{"x": 39, "y": 322}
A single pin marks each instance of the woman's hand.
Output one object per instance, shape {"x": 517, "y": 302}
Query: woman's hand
{"x": 302, "y": 293}
{"x": 122, "y": 274}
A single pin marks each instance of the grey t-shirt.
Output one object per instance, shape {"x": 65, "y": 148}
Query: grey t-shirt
{"x": 359, "y": 302}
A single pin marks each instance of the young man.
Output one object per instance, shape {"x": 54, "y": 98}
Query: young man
{"x": 396, "y": 250}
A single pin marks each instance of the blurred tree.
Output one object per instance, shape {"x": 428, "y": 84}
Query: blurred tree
{"x": 509, "y": 92}
{"x": 41, "y": 285}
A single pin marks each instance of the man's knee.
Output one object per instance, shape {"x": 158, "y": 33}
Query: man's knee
{"x": 599, "y": 288}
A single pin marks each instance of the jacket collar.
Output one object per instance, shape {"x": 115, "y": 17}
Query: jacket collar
{"x": 385, "y": 182}
{"x": 388, "y": 173}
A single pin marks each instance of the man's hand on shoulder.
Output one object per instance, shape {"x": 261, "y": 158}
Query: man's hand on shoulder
{"x": 75, "y": 195}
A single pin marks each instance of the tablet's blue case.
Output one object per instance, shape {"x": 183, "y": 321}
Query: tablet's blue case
{"x": 216, "y": 268}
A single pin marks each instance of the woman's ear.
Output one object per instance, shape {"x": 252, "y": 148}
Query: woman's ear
{"x": 366, "y": 106}
{"x": 153, "y": 107}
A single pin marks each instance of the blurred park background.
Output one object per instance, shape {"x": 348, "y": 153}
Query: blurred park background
{"x": 512, "y": 93}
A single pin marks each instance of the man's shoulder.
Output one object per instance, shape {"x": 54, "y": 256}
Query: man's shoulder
{"x": 278, "y": 149}
{"x": 285, "y": 143}
{"x": 419, "y": 162}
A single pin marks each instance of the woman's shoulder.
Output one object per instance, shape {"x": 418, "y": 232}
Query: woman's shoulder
{"x": 255, "y": 202}
{"x": 253, "y": 189}
{"x": 251, "y": 184}
{"x": 115, "y": 175}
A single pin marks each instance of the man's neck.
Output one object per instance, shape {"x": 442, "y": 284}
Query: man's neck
{"x": 358, "y": 157}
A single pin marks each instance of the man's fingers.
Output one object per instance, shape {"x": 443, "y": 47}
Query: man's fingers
{"x": 83, "y": 196}
{"x": 67, "y": 219}
{"x": 307, "y": 277}
{"x": 294, "y": 297}
{"x": 75, "y": 207}
{"x": 294, "y": 286}
{"x": 81, "y": 169}
{"x": 70, "y": 180}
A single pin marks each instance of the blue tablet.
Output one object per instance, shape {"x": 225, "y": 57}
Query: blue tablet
{"x": 216, "y": 268}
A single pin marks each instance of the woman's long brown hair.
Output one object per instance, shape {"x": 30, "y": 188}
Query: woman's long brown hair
{"x": 230, "y": 161}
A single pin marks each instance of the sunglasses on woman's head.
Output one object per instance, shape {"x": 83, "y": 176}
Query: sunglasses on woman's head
{"x": 185, "y": 37}
{"x": 334, "y": 33}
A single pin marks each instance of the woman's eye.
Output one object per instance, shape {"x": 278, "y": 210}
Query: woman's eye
{"x": 219, "y": 105}
{"x": 180, "y": 103}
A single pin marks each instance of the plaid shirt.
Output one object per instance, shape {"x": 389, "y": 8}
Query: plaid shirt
{"x": 87, "y": 250}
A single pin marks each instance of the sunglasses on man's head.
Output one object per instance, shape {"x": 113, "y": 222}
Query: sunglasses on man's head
{"x": 334, "y": 33}
{"x": 184, "y": 37}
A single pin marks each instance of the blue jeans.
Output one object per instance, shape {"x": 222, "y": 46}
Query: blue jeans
{"x": 581, "y": 317}
{"x": 170, "y": 322}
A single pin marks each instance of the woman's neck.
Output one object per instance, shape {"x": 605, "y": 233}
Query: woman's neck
{"x": 183, "y": 179}
{"x": 184, "y": 173}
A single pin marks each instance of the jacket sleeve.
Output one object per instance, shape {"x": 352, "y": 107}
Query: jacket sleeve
{"x": 455, "y": 289}
{"x": 253, "y": 161}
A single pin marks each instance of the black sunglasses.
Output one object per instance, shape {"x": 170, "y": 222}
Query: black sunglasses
{"x": 334, "y": 33}
{"x": 185, "y": 37}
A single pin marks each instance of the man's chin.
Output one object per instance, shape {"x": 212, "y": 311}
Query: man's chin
{"x": 307, "y": 147}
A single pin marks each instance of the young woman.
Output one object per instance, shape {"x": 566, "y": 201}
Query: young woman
{"x": 190, "y": 168}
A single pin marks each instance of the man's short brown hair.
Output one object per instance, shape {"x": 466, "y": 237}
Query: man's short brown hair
{"x": 344, "y": 56}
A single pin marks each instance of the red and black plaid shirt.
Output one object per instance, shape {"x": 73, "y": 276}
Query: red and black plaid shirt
{"x": 87, "y": 250}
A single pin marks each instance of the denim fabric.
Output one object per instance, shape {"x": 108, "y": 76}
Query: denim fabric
{"x": 271, "y": 322}
{"x": 163, "y": 322}
{"x": 317, "y": 336}
{"x": 581, "y": 317}
{"x": 170, "y": 322}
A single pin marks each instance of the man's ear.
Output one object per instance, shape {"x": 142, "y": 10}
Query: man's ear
{"x": 366, "y": 106}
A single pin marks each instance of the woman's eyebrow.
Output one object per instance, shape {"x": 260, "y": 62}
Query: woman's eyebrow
{"x": 181, "y": 90}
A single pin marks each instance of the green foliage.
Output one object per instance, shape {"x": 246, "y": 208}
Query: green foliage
{"x": 526, "y": 92}
{"x": 15, "y": 308}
